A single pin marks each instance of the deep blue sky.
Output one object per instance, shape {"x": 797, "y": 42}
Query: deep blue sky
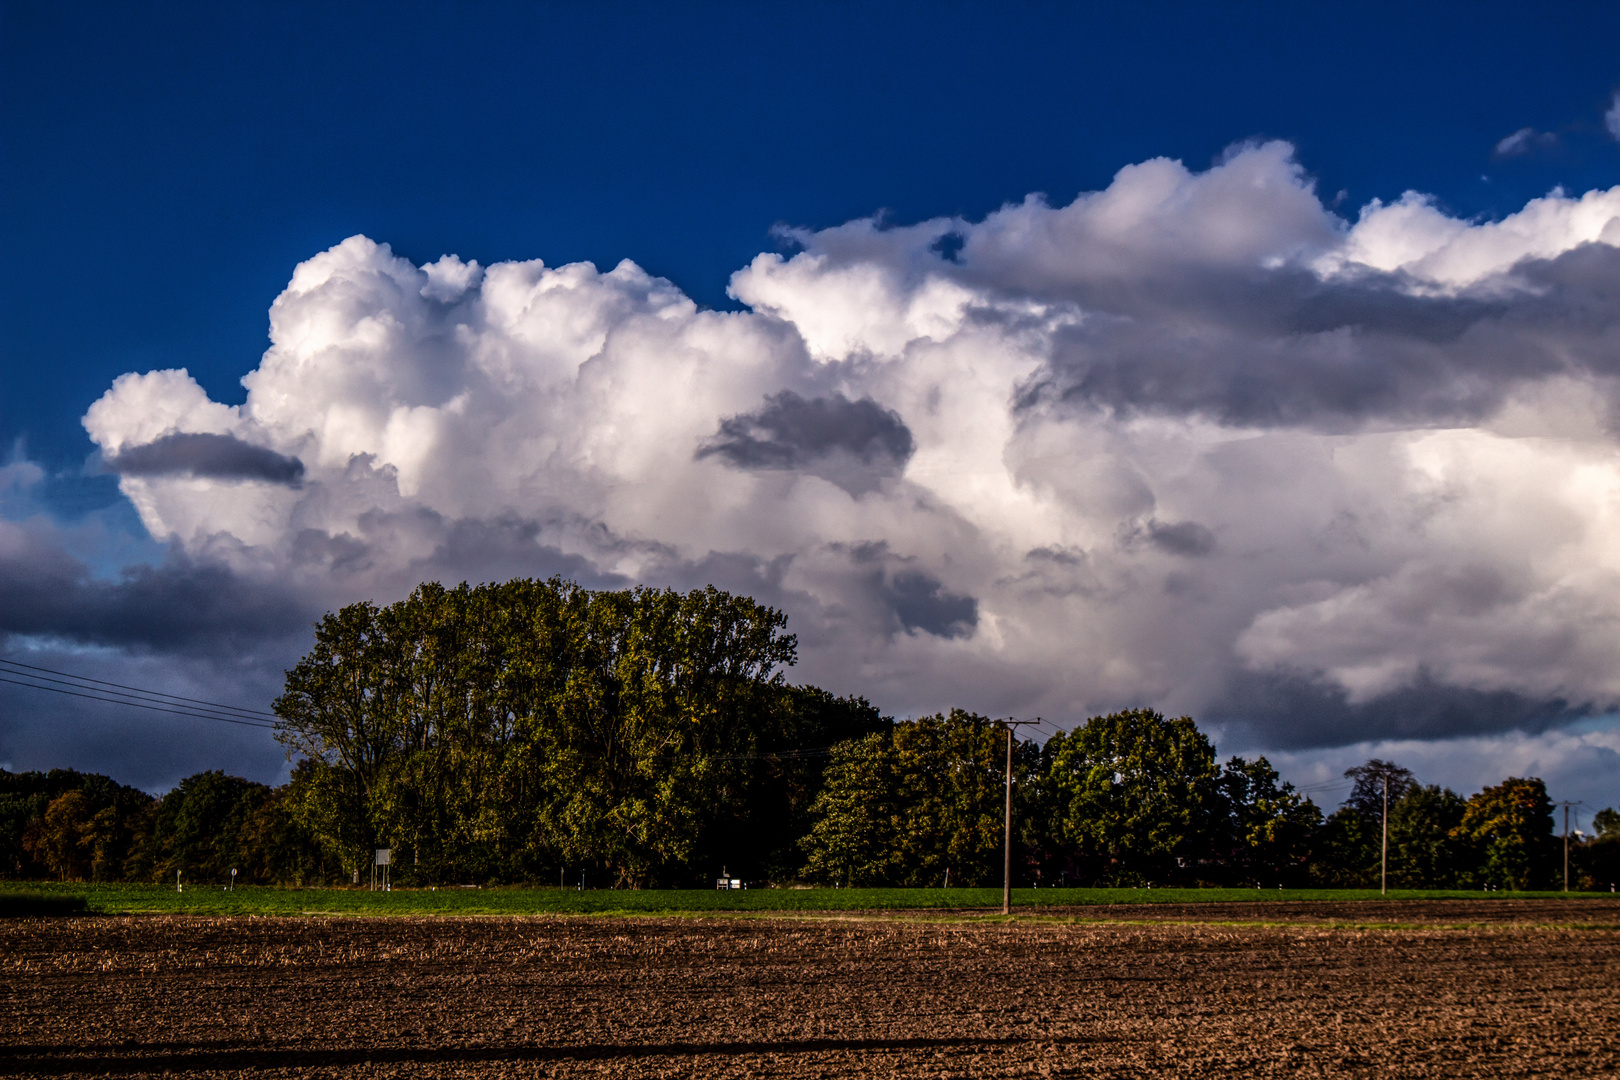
{"x": 163, "y": 167}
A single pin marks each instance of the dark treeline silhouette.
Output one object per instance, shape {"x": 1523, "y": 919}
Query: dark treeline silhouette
{"x": 542, "y": 732}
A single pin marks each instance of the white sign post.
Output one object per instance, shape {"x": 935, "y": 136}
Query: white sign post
{"x": 383, "y": 857}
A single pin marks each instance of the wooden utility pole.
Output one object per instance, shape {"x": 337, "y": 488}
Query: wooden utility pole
{"x": 1566, "y": 804}
{"x": 1006, "y": 862}
{"x": 1383, "y": 858}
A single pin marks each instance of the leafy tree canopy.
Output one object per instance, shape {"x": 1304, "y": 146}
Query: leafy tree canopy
{"x": 1141, "y": 793}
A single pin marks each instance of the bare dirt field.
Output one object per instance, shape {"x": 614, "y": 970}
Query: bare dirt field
{"x": 1445, "y": 989}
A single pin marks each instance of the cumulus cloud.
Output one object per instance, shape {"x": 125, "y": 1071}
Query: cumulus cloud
{"x": 1192, "y": 441}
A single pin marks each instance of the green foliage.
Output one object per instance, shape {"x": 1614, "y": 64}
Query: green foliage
{"x": 1345, "y": 851}
{"x": 1140, "y": 796}
{"x": 902, "y": 807}
{"x": 1513, "y": 825}
{"x": 855, "y": 839}
{"x": 1427, "y": 847}
{"x": 952, "y": 797}
{"x": 1267, "y": 825}
{"x": 69, "y": 825}
{"x": 203, "y": 828}
{"x": 499, "y": 731}
{"x": 1607, "y": 824}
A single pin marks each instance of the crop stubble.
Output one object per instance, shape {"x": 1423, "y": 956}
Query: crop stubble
{"x": 1456, "y": 991}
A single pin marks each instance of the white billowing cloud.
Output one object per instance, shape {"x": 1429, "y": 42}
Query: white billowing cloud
{"x": 1414, "y": 237}
{"x": 1192, "y": 441}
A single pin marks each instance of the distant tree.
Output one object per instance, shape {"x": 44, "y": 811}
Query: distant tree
{"x": 904, "y": 806}
{"x": 1347, "y": 852}
{"x": 1606, "y": 823}
{"x": 764, "y": 840}
{"x": 1344, "y": 852}
{"x": 1141, "y": 798}
{"x": 1512, "y": 823}
{"x": 1367, "y": 796}
{"x": 854, "y": 840}
{"x": 203, "y": 827}
{"x": 106, "y": 824}
{"x": 63, "y": 838}
{"x": 1427, "y": 848}
{"x": 952, "y": 772}
{"x": 1595, "y": 864}
{"x": 278, "y": 849}
{"x": 1268, "y": 825}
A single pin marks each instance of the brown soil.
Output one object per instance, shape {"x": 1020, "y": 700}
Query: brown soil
{"x": 1444, "y": 995}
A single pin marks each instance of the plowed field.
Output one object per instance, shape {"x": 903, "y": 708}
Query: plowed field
{"x": 1319, "y": 990}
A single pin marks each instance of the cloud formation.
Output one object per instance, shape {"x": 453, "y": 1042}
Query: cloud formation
{"x": 1524, "y": 141}
{"x": 1192, "y": 441}
{"x": 851, "y": 443}
{"x": 212, "y": 457}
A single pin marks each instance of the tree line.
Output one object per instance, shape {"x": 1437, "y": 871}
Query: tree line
{"x": 538, "y": 731}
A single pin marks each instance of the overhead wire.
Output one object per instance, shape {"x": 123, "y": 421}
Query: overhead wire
{"x": 75, "y": 679}
{"x": 110, "y": 693}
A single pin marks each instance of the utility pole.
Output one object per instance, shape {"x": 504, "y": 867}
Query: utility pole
{"x": 1006, "y": 862}
{"x": 1566, "y": 804}
{"x": 1383, "y": 858}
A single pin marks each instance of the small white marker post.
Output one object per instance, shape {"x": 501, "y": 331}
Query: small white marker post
{"x": 177, "y": 881}
{"x": 233, "y": 879}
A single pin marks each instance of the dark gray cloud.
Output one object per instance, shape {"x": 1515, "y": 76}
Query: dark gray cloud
{"x": 217, "y": 457}
{"x": 180, "y": 605}
{"x": 1291, "y": 711}
{"x": 1287, "y": 348}
{"x": 1182, "y": 538}
{"x": 923, "y": 603}
{"x": 851, "y": 443}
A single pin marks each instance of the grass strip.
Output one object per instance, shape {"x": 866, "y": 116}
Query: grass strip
{"x": 258, "y": 900}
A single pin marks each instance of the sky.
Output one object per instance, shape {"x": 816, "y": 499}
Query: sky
{"x": 1250, "y": 361}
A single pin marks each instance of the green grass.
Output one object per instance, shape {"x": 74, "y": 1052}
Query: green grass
{"x": 251, "y": 900}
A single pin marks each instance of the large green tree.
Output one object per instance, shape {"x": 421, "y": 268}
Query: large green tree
{"x": 1267, "y": 825}
{"x": 501, "y": 730}
{"x": 854, "y": 840}
{"x": 1141, "y": 800}
{"x": 1427, "y": 849}
{"x": 1512, "y": 823}
{"x": 906, "y": 806}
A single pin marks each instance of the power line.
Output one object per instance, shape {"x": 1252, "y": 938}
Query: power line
{"x": 35, "y": 677}
{"x": 138, "y": 705}
{"x": 78, "y": 679}
{"x": 157, "y": 705}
